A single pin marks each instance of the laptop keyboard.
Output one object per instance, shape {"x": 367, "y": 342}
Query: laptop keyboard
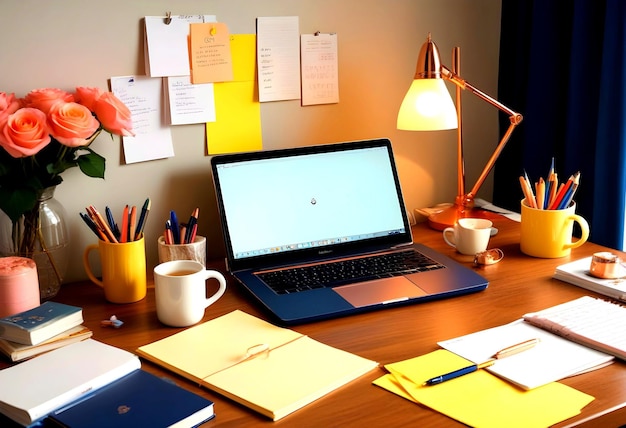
{"x": 344, "y": 272}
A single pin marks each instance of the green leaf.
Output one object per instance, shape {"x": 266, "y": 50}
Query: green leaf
{"x": 15, "y": 202}
{"x": 58, "y": 167}
{"x": 91, "y": 164}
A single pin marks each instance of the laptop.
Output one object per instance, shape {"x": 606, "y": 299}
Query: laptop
{"x": 289, "y": 215}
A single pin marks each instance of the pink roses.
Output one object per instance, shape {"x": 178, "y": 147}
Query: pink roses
{"x": 28, "y": 125}
{"x": 24, "y": 132}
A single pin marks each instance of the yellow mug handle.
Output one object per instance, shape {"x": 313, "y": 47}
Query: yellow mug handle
{"x": 584, "y": 227}
{"x": 90, "y": 274}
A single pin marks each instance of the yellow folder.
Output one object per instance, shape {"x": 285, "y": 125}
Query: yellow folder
{"x": 272, "y": 370}
{"x": 480, "y": 399}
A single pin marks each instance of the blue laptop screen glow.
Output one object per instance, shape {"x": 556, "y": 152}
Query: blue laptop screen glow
{"x": 309, "y": 200}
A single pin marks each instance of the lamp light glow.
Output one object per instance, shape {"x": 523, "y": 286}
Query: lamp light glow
{"x": 428, "y": 106}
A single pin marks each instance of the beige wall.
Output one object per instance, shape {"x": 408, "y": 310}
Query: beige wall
{"x": 68, "y": 43}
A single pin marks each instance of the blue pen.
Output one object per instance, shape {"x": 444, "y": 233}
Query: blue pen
{"x": 175, "y": 227}
{"x": 142, "y": 219}
{"x": 549, "y": 184}
{"x": 111, "y": 222}
{"x": 569, "y": 195}
{"x": 458, "y": 373}
{"x": 506, "y": 352}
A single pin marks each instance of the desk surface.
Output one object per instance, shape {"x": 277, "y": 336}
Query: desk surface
{"x": 518, "y": 284}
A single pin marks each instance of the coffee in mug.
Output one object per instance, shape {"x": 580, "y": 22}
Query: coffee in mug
{"x": 181, "y": 291}
{"x": 469, "y": 235}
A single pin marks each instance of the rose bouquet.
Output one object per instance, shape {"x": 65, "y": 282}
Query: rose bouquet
{"x": 42, "y": 135}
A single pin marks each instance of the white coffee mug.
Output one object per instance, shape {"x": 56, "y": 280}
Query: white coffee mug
{"x": 180, "y": 289}
{"x": 469, "y": 235}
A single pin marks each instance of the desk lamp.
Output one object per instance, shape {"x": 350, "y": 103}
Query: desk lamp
{"x": 428, "y": 106}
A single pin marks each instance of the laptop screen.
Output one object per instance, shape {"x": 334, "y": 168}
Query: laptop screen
{"x": 308, "y": 199}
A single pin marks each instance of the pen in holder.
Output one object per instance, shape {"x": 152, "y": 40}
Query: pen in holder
{"x": 195, "y": 250}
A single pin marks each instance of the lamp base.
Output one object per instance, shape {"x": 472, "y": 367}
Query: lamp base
{"x": 449, "y": 216}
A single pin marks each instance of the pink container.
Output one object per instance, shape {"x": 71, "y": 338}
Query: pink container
{"x": 19, "y": 285}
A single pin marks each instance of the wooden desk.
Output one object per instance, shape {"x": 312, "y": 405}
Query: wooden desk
{"x": 517, "y": 285}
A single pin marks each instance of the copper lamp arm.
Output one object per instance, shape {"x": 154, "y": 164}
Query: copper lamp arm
{"x": 514, "y": 117}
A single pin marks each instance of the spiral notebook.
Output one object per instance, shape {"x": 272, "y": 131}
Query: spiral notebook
{"x": 593, "y": 322}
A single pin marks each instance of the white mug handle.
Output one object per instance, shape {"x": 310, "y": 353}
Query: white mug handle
{"x": 449, "y": 240}
{"x": 208, "y": 274}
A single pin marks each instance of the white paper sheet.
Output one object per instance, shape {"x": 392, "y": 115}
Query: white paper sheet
{"x": 144, "y": 98}
{"x": 188, "y": 103}
{"x": 165, "y": 45}
{"x": 278, "y": 56}
{"x": 552, "y": 359}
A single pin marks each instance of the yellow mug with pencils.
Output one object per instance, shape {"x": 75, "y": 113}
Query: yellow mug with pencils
{"x": 123, "y": 268}
{"x": 548, "y": 233}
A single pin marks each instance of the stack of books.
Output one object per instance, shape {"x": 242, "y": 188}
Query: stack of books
{"x": 49, "y": 326}
{"x": 90, "y": 383}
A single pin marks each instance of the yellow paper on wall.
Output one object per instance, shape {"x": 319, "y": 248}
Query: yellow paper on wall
{"x": 237, "y": 127}
{"x": 480, "y": 398}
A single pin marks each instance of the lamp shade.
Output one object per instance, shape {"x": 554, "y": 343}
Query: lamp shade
{"x": 427, "y": 106}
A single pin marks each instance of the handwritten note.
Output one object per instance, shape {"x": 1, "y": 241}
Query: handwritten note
{"x": 143, "y": 96}
{"x": 189, "y": 103}
{"x": 210, "y": 53}
{"x": 320, "y": 80}
{"x": 278, "y": 53}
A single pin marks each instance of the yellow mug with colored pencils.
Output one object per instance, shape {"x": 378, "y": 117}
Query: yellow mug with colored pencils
{"x": 123, "y": 268}
{"x": 548, "y": 233}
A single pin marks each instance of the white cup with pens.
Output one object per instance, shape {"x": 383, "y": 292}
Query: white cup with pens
{"x": 195, "y": 250}
{"x": 180, "y": 240}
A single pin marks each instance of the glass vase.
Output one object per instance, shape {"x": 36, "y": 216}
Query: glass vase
{"x": 42, "y": 235}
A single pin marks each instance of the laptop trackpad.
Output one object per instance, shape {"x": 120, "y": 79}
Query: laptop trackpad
{"x": 388, "y": 290}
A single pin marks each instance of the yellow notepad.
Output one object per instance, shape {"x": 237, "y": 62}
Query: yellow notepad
{"x": 220, "y": 355}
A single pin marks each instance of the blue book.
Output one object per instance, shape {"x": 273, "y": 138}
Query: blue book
{"x": 41, "y": 323}
{"x": 139, "y": 399}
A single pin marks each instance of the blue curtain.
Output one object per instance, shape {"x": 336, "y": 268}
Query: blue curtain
{"x": 563, "y": 66}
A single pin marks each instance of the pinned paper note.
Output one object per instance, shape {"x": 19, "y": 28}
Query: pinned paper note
{"x": 278, "y": 52}
{"x": 166, "y": 47}
{"x": 187, "y": 103}
{"x": 320, "y": 78}
{"x": 144, "y": 98}
{"x": 210, "y": 53}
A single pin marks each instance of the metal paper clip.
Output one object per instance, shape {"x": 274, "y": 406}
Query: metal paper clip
{"x": 262, "y": 349}
{"x": 488, "y": 257}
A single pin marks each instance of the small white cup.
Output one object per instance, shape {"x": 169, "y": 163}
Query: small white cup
{"x": 180, "y": 289}
{"x": 469, "y": 235}
{"x": 195, "y": 250}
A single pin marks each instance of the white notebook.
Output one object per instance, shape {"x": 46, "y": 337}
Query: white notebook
{"x": 577, "y": 273}
{"x": 552, "y": 359}
{"x": 34, "y": 388}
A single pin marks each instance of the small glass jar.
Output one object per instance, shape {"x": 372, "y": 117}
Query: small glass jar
{"x": 41, "y": 235}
